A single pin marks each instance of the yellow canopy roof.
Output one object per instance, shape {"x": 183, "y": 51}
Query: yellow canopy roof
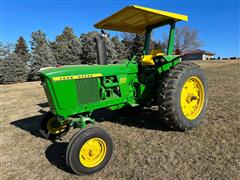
{"x": 136, "y": 19}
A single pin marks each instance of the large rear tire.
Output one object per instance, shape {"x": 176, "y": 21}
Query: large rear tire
{"x": 184, "y": 96}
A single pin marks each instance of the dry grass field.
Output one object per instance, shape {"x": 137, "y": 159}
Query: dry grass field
{"x": 143, "y": 147}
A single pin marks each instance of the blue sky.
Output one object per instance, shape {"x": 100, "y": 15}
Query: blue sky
{"x": 218, "y": 21}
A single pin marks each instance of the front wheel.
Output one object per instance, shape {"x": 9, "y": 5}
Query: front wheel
{"x": 89, "y": 150}
{"x": 51, "y": 128}
{"x": 184, "y": 96}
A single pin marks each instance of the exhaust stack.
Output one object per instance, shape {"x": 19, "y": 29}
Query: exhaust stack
{"x": 101, "y": 50}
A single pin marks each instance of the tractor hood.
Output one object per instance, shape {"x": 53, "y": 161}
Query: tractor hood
{"x": 85, "y": 71}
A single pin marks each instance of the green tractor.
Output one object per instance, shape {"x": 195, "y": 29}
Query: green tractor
{"x": 178, "y": 89}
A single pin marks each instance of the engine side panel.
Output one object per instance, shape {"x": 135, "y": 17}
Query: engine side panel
{"x": 73, "y": 92}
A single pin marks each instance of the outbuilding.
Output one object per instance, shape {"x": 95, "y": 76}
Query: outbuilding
{"x": 198, "y": 55}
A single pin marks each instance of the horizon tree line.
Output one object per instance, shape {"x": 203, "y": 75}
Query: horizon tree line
{"x": 19, "y": 64}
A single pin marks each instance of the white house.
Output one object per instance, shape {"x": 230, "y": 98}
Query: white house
{"x": 198, "y": 55}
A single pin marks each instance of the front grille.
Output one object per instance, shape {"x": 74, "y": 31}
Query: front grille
{"x": 87, "y": 90}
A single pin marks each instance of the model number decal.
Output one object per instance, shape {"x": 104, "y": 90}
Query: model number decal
{"x": 84, "y": 76}
{"x": 123, "y": 80}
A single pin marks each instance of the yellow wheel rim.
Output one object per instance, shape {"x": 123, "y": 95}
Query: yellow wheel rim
{"x": 52, "y": 129}
{"x": 92, "y": 152}
{"x": 192, "y": 97}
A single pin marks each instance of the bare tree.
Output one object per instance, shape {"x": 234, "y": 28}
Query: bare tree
{"x": 186, "y": 39}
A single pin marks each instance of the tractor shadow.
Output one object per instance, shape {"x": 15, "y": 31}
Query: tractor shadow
{"x": 56, "y": 151}
{"x": 140, "y": 118}
{"x": 43, "y": 105}
{"x": 30, "y": 124}
{"x": 56, "y": 155}
{"x": 144, "y": 118}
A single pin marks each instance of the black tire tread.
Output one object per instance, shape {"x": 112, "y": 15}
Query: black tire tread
{"x": 80, "y": 137}
{"x": 169, "y": 84}
{"x": 43, "y": 129}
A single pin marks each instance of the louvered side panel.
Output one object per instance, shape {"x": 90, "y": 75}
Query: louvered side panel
{"x": 87, "y": 91}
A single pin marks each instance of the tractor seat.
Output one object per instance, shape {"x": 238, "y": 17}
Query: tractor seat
{"x": 148, "y": 59}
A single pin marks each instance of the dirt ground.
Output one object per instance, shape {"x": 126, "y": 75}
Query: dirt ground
{"x": 143, "y": 147}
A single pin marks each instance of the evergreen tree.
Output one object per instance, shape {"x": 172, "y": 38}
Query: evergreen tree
{"x": 21, "y": 49}
{"x": 119, "y": 47}
{"x": 41, "y": 54}
{"x": 5, "y": 50}
{"x": 157, "y": 45}
{"x": 137, "y": 47}
{"x": 112, "y": 55}
{"x": 89, "y": 51}
{"x": 13, "y": 70}
{"x": 67, "y": 48}
{"x": 133, "y": 44}
{"x": 127, "y": 40}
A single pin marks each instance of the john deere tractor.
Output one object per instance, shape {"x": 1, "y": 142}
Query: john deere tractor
{"x": 178, "y": 89}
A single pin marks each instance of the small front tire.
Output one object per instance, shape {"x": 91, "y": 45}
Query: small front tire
{"x": 51, "y": 129}
{"x": 89, "y": 151}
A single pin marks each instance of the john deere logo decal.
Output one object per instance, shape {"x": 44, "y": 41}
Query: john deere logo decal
{"x": 84, "y": 76}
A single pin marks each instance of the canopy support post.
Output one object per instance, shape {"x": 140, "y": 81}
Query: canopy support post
{"x": 171, "y": 39}
{"x": 147, "y": 41}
